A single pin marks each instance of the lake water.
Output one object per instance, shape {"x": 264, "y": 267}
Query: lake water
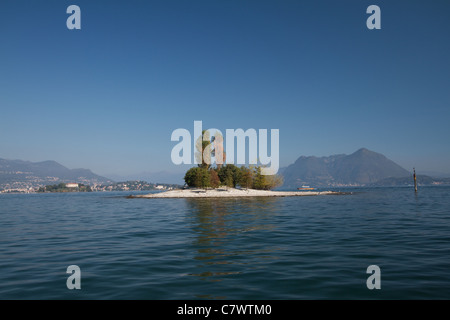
{"x": 255, "y": 248}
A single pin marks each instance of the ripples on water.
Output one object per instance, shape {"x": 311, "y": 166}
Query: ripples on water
{"x": 254, "y": 248}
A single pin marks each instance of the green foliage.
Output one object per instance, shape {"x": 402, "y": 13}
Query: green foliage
{"x": 205, "y": 178}
{"x": 246, "y": 180}
{"x": 191, "y": 177}
{"x": 259, "y": 180}
{"x": 265, "y": 182}
{"x": 198, "y": 177}
{"x": 230, "y": 175}
{"x": 214, "y": 179}
{"x": 273, "y": 181}
{"x": 229, "y": 180}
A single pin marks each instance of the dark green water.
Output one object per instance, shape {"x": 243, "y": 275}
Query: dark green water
{"x": 258, "y": 248}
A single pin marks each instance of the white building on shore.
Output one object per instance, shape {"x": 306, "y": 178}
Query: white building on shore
{"x": 71, "y": 185}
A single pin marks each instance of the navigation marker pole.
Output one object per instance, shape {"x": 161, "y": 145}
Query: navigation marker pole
{"x": 415, "y": 180}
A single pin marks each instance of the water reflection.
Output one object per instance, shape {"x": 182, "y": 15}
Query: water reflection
{"x": 231, "y": 235}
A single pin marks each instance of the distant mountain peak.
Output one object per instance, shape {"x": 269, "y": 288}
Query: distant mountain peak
{"x": 366, "y": 152}
{"x": 363, "y": 150}
{"x": 359, "y": 168}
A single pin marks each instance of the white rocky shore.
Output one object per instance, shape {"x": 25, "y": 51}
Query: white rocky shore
{"x": 231, "y": 193}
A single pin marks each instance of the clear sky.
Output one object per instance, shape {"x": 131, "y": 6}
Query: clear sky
{"x": 107, "y": 97}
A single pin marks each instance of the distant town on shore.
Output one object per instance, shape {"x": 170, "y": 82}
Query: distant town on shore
{"x": 79, "y": 187}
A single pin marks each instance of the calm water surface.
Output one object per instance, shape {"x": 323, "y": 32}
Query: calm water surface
{"x": 256, "y": 248}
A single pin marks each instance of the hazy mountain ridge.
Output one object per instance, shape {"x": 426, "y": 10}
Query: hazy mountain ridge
{"x": 19, "y": 173}
{"x": 363, "y": 167}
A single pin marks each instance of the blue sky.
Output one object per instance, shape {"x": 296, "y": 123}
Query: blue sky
{"x": 107, "y": 97}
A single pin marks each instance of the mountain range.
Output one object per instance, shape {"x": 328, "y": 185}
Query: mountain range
{"x": 19, "y": 173}
{"x": 363, "y": 167}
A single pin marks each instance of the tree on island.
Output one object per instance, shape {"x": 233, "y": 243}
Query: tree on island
{"x": 259, "y": 180}
{"x": 213, "y": 145}
{"x": 231, "y": 176}
{"x": 214, "y": 179}
{"x": 246, "y": 178}
{"x": 193, "y": 177}
{"x": 272, "y": 181}
{"x": 198, "y": 177}
{"x": 205, "y": 176}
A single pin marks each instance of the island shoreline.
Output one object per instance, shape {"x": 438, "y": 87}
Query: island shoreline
{"x": 231, "y": 193}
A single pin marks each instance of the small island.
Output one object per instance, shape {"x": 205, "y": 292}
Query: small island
{"x": 227, "y": 180}
{"x": 65, "y": 187}
{"x": 231, "y": 193}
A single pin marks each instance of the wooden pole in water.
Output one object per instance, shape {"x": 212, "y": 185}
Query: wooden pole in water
{"x": 415, "y": 180}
